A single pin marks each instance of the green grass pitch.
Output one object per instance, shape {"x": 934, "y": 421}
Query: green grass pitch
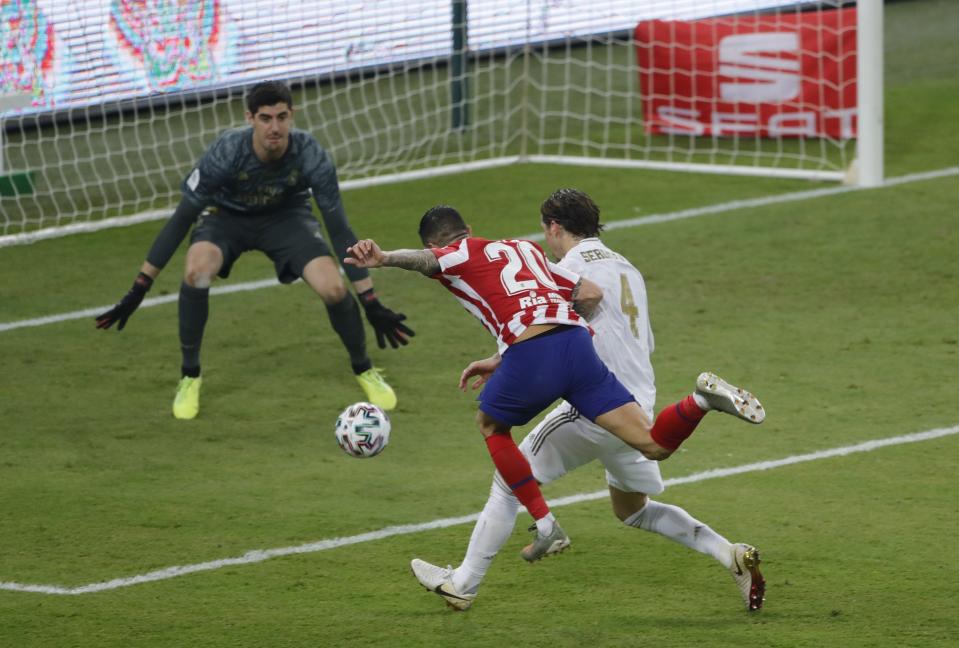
{"x": 840, "y": 312}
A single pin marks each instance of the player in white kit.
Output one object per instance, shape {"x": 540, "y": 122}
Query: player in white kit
{"x": 565, "y": 440}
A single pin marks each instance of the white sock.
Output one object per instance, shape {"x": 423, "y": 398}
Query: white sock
{"x": 492, "y": 530}
{"x": 545, "y": 524}
{"x": 701, "y": 402}
{"x": 678, "y": 525}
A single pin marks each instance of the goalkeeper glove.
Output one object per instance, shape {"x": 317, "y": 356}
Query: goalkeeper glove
{"x": 125, "y": 307}
{"x": 387, "y": 324}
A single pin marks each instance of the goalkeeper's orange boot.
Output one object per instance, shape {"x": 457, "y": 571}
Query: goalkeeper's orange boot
{"x": 186, "y": 405}
{"x": 376, "y": 389}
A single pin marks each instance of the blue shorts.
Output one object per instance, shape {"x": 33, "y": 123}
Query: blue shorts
{"x": 560, "y": 363}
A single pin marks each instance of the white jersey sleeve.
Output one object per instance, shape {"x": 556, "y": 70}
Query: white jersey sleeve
{"x": 624, "y": 336}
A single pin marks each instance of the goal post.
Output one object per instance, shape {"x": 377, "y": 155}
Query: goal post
{"x": 404, "y": 90}
{"x": 868, "y": 169}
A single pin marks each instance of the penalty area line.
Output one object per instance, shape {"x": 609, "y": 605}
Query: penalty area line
{"x": 260, "y": 555}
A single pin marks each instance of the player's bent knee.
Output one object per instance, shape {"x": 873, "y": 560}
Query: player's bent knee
{"x": 203, "y": 261}
{"x": 625, "y": 505}
{"x": 333, "y": 295}
{"x": 632, "y": 426}
{"x": 487, "y": 430}
{"x": 202, "y": 280}
{"x": 488, "y": 426}
{"x": 323, "y": 276}
{"x": 657, "y": 453}
{"x": 198, "y": 278}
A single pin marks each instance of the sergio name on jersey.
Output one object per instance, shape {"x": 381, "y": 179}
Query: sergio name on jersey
{"x": 624, "y": 336}
{"x": 508, "y": 285}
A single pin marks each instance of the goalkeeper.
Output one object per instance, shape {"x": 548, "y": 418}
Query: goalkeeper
{"x": 250, "y": 191}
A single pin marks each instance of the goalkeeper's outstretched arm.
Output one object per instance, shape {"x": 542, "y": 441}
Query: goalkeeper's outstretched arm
{"x": 172, "y": 234}
{"x": 165, "y": 244}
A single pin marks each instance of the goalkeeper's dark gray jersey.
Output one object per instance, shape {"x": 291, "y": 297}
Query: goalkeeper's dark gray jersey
{"x": 230, "y": 177}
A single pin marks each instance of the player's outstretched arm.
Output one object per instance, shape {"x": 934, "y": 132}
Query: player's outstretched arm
{"x": 165, "y": 244}
{"x": 367, "y": 254}
{"x": 124, "y": 308}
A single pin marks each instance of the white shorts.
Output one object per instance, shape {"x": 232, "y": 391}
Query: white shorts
{"x": 566, "y": 440}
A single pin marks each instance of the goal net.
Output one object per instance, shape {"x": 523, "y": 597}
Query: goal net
{"x": 106, "y": 104}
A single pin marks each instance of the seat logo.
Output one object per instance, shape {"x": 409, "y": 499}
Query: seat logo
{"x": 765, "y": 67}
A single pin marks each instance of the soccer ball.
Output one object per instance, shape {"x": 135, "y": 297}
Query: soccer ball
{"x": 363, "y": 430}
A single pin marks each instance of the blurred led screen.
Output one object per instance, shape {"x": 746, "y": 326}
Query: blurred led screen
{"x": 73, "y": 53}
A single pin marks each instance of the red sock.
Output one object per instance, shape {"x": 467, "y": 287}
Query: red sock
{"x": 676, "y": 422}
{"x": 514, "y": 468}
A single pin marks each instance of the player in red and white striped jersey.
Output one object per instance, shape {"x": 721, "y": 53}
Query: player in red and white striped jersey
{"x": 545, "y": 349}
{"x": 565, "y": 440}
{"x": 508, "y": 285}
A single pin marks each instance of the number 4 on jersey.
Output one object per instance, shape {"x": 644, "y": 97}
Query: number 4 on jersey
{"x": 630, "y": 309}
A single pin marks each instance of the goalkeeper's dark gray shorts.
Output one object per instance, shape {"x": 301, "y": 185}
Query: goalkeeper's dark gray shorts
{"x": 290, "y": 237}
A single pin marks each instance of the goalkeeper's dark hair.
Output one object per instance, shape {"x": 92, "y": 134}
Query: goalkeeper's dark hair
{"x": 268, "y": 93}
{"x": 441, "y": 225}
{"x": 574, "y": 210}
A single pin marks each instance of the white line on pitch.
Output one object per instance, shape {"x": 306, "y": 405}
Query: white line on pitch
{"x": 259, "y": 555}
{"x": 147, "y": 303}
{"x": 619, "y": 224}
